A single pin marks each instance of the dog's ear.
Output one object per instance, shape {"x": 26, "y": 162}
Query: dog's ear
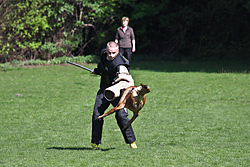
{"x": 142, "y": 85}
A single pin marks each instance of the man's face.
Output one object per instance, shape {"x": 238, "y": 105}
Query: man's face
{"x": 112, "y": 53}
{"x": 124, "y": 23}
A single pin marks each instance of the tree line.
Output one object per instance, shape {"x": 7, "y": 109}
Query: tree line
{"x": 164, "y": 29}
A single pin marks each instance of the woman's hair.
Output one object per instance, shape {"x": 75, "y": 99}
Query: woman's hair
{"x": 125, "y": 19}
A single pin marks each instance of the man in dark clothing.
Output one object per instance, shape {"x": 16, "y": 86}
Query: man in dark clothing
{"x": 126, "y": 39}
{"x": 111, "y": 64}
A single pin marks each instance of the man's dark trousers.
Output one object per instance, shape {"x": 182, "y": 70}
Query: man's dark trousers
{"x": 101, "y": 104}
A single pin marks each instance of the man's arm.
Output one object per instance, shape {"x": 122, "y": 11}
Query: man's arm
{"x": 96, "y": 70}
{"x": 122, "y": 70}
{"x": 123, "y": 75}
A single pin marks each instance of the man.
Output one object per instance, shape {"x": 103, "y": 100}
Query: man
{"x": 126, "y": 39}
{"x": 110, "y": 65}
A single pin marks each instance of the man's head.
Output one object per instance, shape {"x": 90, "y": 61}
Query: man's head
{"x": 125, "y": 21}
{"x": 112, "y": 50}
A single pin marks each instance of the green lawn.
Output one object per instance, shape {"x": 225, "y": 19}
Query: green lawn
{"x": 197, "y": 114}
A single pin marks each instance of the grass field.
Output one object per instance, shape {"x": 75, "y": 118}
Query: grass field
{"x": 197, "y": 114}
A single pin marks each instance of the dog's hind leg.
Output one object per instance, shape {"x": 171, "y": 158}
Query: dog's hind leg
{"x": 119, "y": 106}
{"x": 130, "y": 121}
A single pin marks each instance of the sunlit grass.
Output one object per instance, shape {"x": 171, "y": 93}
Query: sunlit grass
{"x": 192, "y": 117}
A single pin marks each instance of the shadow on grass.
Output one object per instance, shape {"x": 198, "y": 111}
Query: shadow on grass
{"x": 76, "y": 148}
{"x": 186, "y": 66}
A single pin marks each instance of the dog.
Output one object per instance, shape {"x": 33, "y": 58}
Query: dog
{"x": 132, "y": 98}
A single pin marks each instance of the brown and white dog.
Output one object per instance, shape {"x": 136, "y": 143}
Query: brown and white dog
{"x": 132, "y": 98}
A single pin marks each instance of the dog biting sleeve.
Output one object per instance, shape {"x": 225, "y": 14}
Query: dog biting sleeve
{"x": 122, "y": 82}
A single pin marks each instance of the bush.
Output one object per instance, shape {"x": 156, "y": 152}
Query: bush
{"x": 5, "y": 66}
{"x": 86, "y": 59}
{"x": 35, "y": 62}
{"x": 17, "y": 63}
{"x": 59, "y": 60}
{"x": 91, "y": 59}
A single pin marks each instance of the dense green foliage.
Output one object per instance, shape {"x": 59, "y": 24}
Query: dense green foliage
{"x": 52, "y": 28}
{"x": 172, "y": 30}
{"x": 23, "y": 25}
{"x": 197, "y": 114}
{"x": 193, "y": 29}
